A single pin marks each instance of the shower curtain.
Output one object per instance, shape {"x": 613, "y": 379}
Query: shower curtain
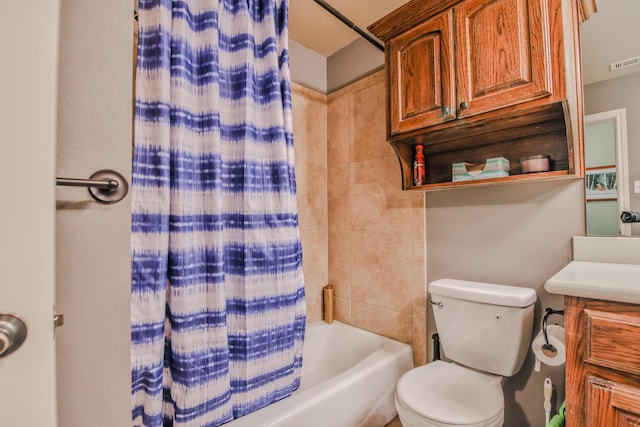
{"x": 218, "y": 305}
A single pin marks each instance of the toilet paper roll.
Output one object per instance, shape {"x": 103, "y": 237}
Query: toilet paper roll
{"x": 555, "y": 334}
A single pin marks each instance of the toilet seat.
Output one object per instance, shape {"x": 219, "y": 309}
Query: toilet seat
{"x": 447, "y": 394}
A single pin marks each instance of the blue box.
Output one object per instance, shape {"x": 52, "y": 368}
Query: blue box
{"x": 495, "y": 167}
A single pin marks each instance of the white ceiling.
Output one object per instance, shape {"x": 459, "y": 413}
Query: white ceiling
{"x": 315, "y": 28}
{"x": 611, "y": 35}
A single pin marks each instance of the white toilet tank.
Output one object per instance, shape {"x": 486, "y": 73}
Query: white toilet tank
{"x": 483, "y": 326}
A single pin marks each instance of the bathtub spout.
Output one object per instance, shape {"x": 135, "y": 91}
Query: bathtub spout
{"x": 327, "y": 303}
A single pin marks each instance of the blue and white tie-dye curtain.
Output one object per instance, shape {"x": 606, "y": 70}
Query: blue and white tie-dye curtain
{"x": 218, "y": 305}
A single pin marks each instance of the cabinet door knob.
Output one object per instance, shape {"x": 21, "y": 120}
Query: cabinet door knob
{"x": 464, "y": 105}
{"x": 445, "y": 111}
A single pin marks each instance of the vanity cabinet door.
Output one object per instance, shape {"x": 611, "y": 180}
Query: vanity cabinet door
{"x": 603, "y": 365}
{"x": 502, "y": 54}
{"x": 421, "y": 77}
{"x": 611, "y": 404}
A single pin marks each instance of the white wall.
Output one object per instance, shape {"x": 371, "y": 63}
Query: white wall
{"x": 92, "y": 247}
{"x": 351, "y": 63}
{"x": 516, "y": 235}
{"x": 308, "y": 68}
{"x": 326, "y": 75}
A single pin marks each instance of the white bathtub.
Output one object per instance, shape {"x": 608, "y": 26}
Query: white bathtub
{"x": 348, "y": 379}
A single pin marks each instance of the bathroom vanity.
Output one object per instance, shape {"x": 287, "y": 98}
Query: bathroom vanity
{"x": 602, "y": 326}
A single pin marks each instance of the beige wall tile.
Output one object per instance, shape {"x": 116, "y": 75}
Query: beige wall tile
{"x": 388, "y": 323}
{"x": 340, "y": 263}
{"x": 338, "y": 198}
{"x": 315, "y": 257}
{"x": 419, "y": 251}
{"x": 419, "y": 343}
{"x": 310, "y": 134}
{"x": 311, "y": 94}
{"x": 376, "y": 230}
{"x": 417, "y": 200}
{"x": 338, "y": 131}
{"x": 375, "y": 247}
{"x": 310, "y": 142}
{"x": 368, "y": 124}
{"x": 364, "y": 83}
{"x": 343, "y": 310}
{"x": 315, "y": 268}
{"x": 381, "y": 270}
{"x": 419, "y": 271}
{"x": 314, "y": 308}
{"x": 377, "y": 202}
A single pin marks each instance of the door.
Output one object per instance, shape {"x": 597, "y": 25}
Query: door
{"x": 605, "y": 151}
{"x": 502, "y": 54}
{"x": 27, "y": 217}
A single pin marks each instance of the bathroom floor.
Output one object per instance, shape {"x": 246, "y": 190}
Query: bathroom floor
{"x": 394, "y": 423}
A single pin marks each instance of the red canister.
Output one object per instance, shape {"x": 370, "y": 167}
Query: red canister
{"x": 418, "y": 166}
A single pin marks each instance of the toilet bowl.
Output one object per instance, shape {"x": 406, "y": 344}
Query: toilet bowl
{"x": 443, "y": 394}
{"x": 485, "y": 331}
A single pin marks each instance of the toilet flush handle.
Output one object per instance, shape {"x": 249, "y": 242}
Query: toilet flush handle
{"x": 436, "y": 303}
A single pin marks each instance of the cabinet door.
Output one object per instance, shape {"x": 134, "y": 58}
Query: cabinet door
{"x": 502, "y": 54}
{"x": 611, "y": 404}
{"x": 421, "y": 78}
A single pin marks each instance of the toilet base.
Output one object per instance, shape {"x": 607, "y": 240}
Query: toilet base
{"x": 410, "y": 419}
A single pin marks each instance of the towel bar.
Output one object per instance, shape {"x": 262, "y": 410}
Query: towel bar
{"x": 105, "y": 186}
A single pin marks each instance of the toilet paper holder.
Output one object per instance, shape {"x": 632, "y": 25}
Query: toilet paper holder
{"x": 548, "y": 312}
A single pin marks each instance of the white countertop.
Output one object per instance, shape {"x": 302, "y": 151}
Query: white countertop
{"x": 598, "y": 280}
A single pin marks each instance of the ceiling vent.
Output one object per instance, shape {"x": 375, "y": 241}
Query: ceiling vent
{"x": 626, "y": 63}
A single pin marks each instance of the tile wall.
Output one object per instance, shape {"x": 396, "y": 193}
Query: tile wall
{"x": 310, "y": 139}
{"x": 369, "y": 239}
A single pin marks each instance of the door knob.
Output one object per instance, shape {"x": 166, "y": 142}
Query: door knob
{"x": 13, "y": 333}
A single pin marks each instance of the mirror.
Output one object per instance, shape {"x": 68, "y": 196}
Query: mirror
{"x": 606, "y": 176}
{"x": 610, "y": 36}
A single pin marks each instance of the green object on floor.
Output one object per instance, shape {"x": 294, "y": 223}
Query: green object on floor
{"x": 558, "y": 420}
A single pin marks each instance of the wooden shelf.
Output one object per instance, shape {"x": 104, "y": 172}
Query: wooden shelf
{"x": 544, "y": 129}
{"x": 512, "y": 179}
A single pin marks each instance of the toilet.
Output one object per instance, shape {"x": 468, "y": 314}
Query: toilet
{"x": 485, "y": 331}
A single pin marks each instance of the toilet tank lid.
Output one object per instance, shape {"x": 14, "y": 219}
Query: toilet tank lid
{"x": 488, "y": 293}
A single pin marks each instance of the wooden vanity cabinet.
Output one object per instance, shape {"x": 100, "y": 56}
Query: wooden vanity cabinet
{"x": 455, "y": 66}
{"x": 603, "y": 363}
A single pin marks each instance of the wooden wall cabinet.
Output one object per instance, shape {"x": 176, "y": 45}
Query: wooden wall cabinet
{"x": 603, "y": 363}
{"x": 474, "y": 79}
{"x": 422, "y": 82}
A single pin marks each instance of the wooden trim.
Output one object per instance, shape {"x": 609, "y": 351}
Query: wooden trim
{"x": 575, "y": 368}
{"x": 587, "y": 8}
{"x": 407, "y": 16}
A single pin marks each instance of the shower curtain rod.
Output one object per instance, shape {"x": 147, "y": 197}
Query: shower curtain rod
{"x": 349, "y": 24}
